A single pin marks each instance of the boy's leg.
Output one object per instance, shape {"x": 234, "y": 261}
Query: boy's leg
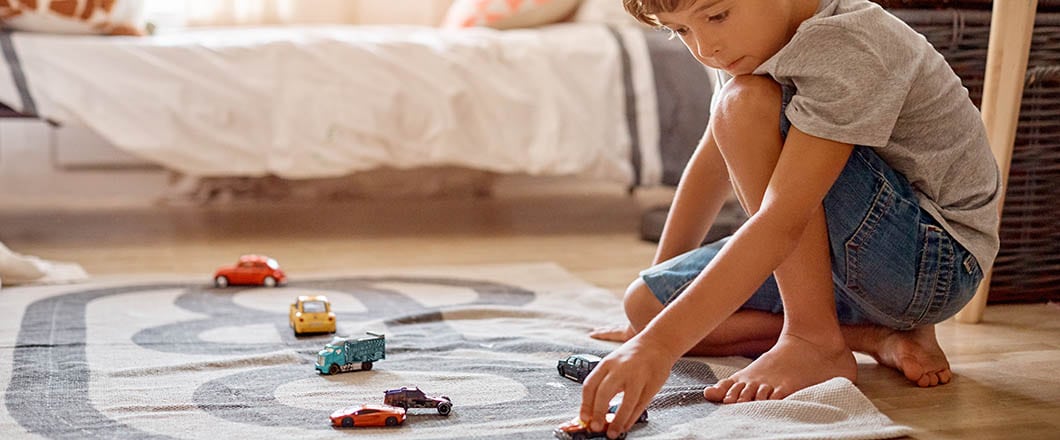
{"x": 915, "y": 353}
{"x": 755, "y": 329}
{"x": 941, "y": 275}
{"x": 810, "y": 348}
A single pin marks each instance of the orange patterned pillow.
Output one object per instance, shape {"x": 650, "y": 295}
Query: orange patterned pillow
{"x": 508, "y": 14}
{"x": 109, "y": 17}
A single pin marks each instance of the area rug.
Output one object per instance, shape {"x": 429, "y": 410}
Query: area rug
{"x": 174, "y": 357}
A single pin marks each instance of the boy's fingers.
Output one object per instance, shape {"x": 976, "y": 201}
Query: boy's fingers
{"x": 638, "y": 409}
{"x": 607, "y": 389}
{"x": 630, "y": 401}
{"x": 589, "y": 393}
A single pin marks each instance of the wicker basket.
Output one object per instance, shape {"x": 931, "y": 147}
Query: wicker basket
{"x": 1028, "y": 264}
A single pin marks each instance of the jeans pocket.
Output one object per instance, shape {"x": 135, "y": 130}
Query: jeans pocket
{"x": 879, "y": 264}
{"x": 939, "y": 290}
{"x": 859, "y": 245}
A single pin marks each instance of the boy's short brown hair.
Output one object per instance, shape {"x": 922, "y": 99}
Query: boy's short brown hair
{"x": 644, "y": 10}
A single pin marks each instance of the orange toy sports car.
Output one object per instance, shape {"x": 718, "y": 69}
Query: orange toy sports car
{"x": 251, "y": 270}
{"x": 368, "y": 415}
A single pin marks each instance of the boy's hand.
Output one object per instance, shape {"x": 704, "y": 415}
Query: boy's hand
{"x": 620, "y": 333}
{"x": 637, "y": 368}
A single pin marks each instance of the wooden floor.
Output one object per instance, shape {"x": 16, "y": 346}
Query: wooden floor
{"x": 1007, "y": 381}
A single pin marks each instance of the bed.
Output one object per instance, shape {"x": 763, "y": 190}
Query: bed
{"x": 615, "y": 103}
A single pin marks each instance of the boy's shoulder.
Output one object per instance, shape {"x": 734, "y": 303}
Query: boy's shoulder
{"x": 857, "y": 19}
{"x": 852, "y": 31}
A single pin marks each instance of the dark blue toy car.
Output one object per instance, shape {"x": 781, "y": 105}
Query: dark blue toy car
{"x": 577, "y": 366}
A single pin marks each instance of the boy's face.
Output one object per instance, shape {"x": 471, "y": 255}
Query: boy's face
{"x": 737, "y": 35}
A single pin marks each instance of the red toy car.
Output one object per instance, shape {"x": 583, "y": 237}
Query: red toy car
{"x": 251, "y": 270}
{"x": 368, "y": 415}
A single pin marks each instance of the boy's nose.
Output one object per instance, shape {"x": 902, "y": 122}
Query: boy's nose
{"x": 708, "y": 50}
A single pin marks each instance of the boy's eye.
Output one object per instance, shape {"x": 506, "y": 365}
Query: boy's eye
{"x": 718, "y": 17}
{"x": 677, "y": 31}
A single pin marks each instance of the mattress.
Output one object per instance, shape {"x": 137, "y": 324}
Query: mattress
{"x": 309, "y": 102}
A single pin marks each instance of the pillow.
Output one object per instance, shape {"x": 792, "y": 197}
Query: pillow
{"x": 605, "y": 11}
{"x": 508, "y": 14}
{"x": 108, "y": 17}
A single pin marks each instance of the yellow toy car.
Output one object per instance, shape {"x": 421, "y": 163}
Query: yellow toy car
{"x": 312, "y": 314}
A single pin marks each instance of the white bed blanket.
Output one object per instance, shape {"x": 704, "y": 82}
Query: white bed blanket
{"x": 329, "y": 101}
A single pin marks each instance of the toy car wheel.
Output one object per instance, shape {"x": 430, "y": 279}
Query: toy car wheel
{"x": 333, "y": 369}
{"x": 221, "y": 281}
{"x": 621, "y": 436}
{"x": 444, "y": 408}
{"x": 577, "y": 436}
{"x": 347, "y": 422}
{"x": 366, "y": 366}
{"x": 391, "y": 421}
{"x": 269, "y": 282}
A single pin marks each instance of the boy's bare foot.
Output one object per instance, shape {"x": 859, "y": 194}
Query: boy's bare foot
{"x": 916, "y": 353}
{"x": 792, "y": 364}
{"x": 618, "y": 333}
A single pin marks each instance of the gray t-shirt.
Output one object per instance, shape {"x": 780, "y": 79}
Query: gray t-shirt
{"x": 864, "y": 77}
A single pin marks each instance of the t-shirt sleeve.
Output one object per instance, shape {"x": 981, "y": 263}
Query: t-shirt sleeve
{"x": 847, "y": 90}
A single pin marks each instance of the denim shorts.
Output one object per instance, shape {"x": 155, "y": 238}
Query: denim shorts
{"x": 892, "y": 264}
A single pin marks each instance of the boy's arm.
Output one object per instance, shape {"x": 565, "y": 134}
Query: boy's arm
{"x": 806, "y": 170}
{"x": 700, "y": 194}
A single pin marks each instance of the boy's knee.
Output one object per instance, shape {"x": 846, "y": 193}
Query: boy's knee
{"x": 640, "y": 304}
{"x": 748, "y": 97}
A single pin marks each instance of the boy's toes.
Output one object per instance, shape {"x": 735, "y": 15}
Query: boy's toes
{"x": 778, "y": 394}
{"x": 765, "y": 391}
{"x": 924, "y": 381}
{"x": 927, "y": 379}
{"x": 934, "y": 378}
{"x": 734, "y": 392}
{"x": 716, "y": 392}
{"x": 749, "y": 392}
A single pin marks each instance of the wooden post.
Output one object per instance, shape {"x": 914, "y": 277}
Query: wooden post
{"x": 1011, "y": 27}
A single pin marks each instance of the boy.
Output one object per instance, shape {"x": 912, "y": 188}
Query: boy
{"x": 872, "y": 196}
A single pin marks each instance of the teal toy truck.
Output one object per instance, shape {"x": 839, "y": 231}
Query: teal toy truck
{"x": 343, "y": 354}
